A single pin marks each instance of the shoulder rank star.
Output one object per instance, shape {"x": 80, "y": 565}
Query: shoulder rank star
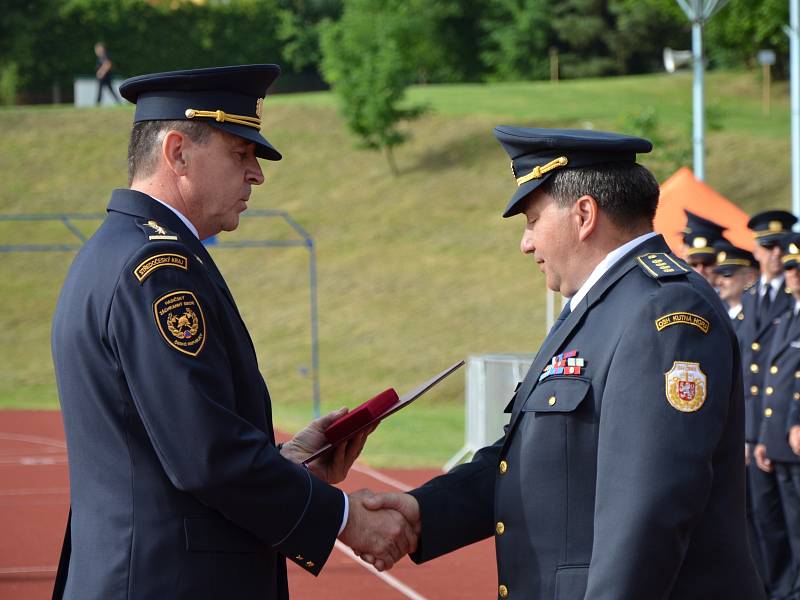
{"x": 566, "y": 363}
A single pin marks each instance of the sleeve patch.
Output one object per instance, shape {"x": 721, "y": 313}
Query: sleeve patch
{"x": 148, "y": 265}
{"x": 180, "y": 321}
{"x": 686, "y": 386}
{"x": 682, "y": 318}
{"x": 660, "y": 264}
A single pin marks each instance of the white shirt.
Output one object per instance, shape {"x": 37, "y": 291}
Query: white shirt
{"x": 193, "y": 229}
{"x": 734, "y": 311}
{"x": 604, "y": 265}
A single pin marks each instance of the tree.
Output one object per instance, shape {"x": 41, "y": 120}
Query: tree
{"x": 367, "y": 61}
{"x": 518, "y": 37}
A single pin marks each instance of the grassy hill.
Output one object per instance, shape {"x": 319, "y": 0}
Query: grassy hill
{"x": 415, "y": 271}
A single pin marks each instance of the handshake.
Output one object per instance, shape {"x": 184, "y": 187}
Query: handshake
{"x": 382, "y": 528}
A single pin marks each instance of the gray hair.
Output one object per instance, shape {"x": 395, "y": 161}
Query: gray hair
{"x": 146, "y": 139}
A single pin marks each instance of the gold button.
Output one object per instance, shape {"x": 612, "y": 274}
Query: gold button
{"x": 298, "y": 557}
{"x": 754, "y": 368}
{"x": 740, "y": 316}
{"x": 503, "y": 467}
{"x": 797, "y": 374}
{"x": 755, "y": 346}
{"x": 768, "y": 412}
{"x": 754, "y": 390}
{"x": 502, "y": 591}
{"x": 797, "y": 395}
{"x": 500, "y": 528}
{"x": 310, "y": 565}
{"x": 551, "y": 400}
{"x": 773, "y": 369}
{"x": 768, "y": 391}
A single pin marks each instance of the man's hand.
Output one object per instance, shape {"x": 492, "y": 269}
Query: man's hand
{"x": 406, "y": 505}
{"x": 762, "y": 462}
{"x": 794, "y": 439}
{"x": 383, "y": 535}
{"x": 334, "y": 465}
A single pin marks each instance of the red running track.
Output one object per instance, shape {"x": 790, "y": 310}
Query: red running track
{"x": 34, "y": 499}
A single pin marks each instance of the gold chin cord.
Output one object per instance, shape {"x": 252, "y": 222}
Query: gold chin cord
{"x": 221, "y": 116}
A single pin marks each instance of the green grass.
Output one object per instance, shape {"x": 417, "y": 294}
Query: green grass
{"x": 415, "y": 272}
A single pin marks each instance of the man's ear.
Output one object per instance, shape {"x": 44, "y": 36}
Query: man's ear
{"x": 587, "y": 212}
{"x": 173, "y": 149}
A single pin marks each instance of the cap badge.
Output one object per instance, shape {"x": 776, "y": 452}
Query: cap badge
{"x": 541, "y": 170}
{"x": 686, "y": 386}
{"x": 721, "y": 257}
{"x": 793, "y": 249}
{"x": 259, "y": 107}
{"x": 775, "y": 226}
{"x": 700, "y": 242}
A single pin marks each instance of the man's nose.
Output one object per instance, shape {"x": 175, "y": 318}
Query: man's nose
{"x": 526, "y": 243}
{"x": 255, "y": 176}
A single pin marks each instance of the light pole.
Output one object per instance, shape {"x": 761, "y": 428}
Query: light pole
{"x": 698, "y": 12}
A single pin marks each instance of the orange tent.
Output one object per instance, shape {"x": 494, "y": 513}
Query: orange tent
{"x": 683, "y": 190}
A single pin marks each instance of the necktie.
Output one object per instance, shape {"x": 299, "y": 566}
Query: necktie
{"x": 764, "y": 305}
{"x": 561, "y": 317}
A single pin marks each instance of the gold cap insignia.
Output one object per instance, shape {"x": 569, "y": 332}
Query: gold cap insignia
{"x": 793, "y": 249}
{"x": 180, "y": 321}
{"x": 259, "y": 107}
{"x": 540, "y": 170}
{"x": 721, "y": 257}
{"x": 686, "y": 386}
{"x": 700, "y": 242}
{"x": 775, "y": 225}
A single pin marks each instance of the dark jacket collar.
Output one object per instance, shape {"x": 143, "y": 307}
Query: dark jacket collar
{"x": 139, "y": 204}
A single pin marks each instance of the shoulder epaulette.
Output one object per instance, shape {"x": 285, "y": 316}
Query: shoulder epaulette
{"x": 660, "y": 264}
{"x": 156, "y": 231}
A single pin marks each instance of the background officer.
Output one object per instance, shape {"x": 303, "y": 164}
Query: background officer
{"x": 763, "y": 306}
{"x": 620, "y": 474}
{"x": 779, "y": 395}
{"x": 177, "y": 487}
{"x": 699, "y": 238}
{"x": 735, "y": 271}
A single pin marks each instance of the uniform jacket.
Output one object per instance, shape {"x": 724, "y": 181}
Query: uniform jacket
{"x": 623, "y": 481}
{"x": 779, "y": 388}
{"x": 757, "y": 337}
{"x": 177, "y": 488}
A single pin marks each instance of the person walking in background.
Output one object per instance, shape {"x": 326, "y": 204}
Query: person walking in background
{"x": 103, "y": 72}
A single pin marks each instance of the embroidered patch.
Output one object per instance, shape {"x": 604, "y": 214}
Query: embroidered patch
{"x": 148, "y": 265}
{"x": 566, "y": 363}
{"x": 682, "y": 318}
{"x": 686, "y": 386}
{"x": 180, "y": 321}
{"x": 659, "y": 264}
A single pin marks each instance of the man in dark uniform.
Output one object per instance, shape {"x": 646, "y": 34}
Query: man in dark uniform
{"x": 735, "y": 272}
{"x": 779, "y": 395}
{"x": 763, "y": 306}
{"x": 699, "y": 238}
{"x": 620, "y": 474}
{"x": 178, "y": 489}
{"x": 103, "y": 73}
